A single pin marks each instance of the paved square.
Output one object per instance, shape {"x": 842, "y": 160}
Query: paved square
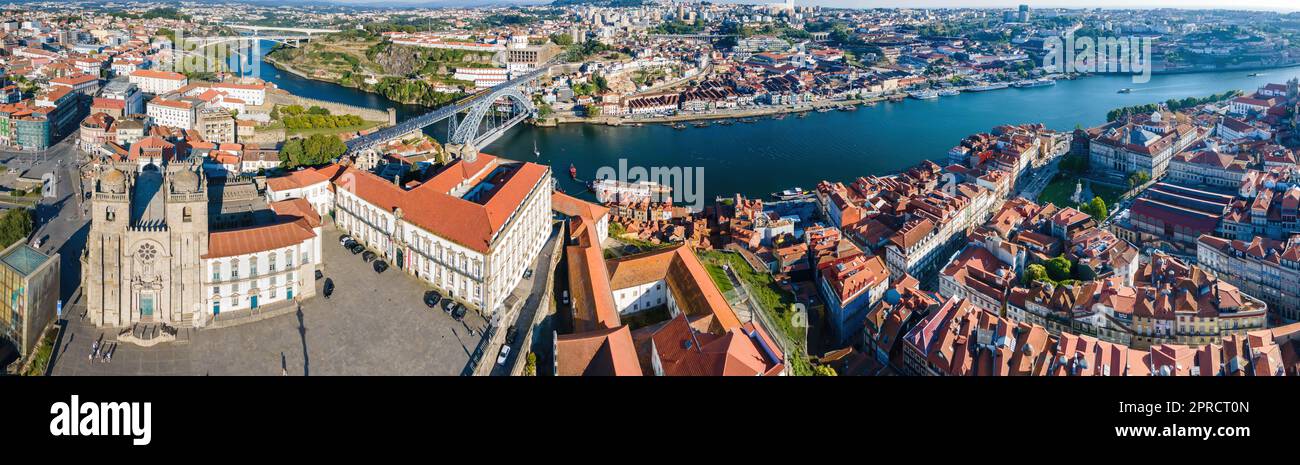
{"x": 373, "y": 324}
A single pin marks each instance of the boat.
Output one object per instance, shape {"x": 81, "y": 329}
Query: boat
{"x": 849, "y": 107}
{"x": 700, "y": 124}
{"x": 1027, "y": 83}
{"x": 726, "y": 122}
{"x": 923, "y": 94}
{"x": 802, "y": 114}
{"x": 573, "y": 171}
{"x": 823, "y": 109}
{"x": 1125, "y": 90}
{"x": 779, "y": 116}
{"x": 747, "y": 120}
{"x": 988, "y": 86}
{"x": 897, "y": 98}
{"x": 792, "y": 194}
{"x": 536, "y": 153}
{"x": 949, "y": 92}
{"x": 679, "y": 126}
{"x": 1252, "y": 75}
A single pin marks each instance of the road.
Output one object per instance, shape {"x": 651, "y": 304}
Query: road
{"x": 60, "y": 221}
{"x": 536, "y": 286}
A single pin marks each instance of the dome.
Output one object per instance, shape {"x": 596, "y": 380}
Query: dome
{"x": 185, "y": 181}
{"x": 113, "y": 181}
{"x": 113, "y": 175}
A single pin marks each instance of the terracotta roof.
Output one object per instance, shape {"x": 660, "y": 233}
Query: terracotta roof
{"x": 604, "y": 352}
{"x": 256, "y": 239}
{"x": 430, "y": 205}
{"x": 297, "y": 179}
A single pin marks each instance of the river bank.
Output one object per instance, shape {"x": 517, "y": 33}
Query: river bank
{"x": 710, "y": 116}
{"x": 770, "y": 155}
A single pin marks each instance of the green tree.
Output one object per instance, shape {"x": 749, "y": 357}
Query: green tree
{"x": 1058, "y": 268}
{"x": 824, "y": 370}
{"x": 15, "y": 225}
{"x": 530, "y": 366}
{"x": 291, "y": 153}
{"x": 1096, "y": 208}
{"x": 1034, "y": 273}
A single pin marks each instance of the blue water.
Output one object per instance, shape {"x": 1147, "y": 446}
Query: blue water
{"x": 771, "y": 155}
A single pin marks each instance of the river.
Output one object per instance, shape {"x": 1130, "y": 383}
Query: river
{"x": 770, "y": 155}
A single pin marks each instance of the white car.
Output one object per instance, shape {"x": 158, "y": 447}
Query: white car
{"x": 505, "y": 353}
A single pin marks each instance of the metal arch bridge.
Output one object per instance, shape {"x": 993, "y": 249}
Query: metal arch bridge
{"x": 300, "y": 30}
{"x": 466, "y": 131}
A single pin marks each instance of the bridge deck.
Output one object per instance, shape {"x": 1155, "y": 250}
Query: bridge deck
{"x": 419, "y": 122}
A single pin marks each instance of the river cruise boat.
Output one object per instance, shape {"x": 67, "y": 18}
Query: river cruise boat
{"x": 988, "y": 86}
{"x": 923, "y": 94}
{"x": 794, "y": 193}
{"x": 1034, "y": 83}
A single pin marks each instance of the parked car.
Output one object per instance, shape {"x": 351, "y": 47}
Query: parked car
{"x": 380, "y": 266}
{"x": 367, "y": 256}
{"x": 459, "y": 312}
{"x": 432, "y": 298}
{"x": 505, "y": 353}
{"x": 528, "y": 273}
{"x": 349, "y": 244}
{"x": 319, "y": 274}
{"x": 344, "y": 239}
{"x": 448, "y": 305}
{"x": 358, "y": 248}
{"x": 510, "y": 335}
{"x": 329, "y": 287}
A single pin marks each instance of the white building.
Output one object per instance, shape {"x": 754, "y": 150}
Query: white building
{"x": 158, "y": 82}
{"x": 173, "y": 113}
{"x": 470, "y": 231}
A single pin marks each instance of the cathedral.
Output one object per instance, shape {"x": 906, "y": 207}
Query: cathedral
{"x": 168, "y": 245}
{"x": 147, "y": 234}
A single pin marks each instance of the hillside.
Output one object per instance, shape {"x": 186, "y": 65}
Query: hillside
{"x": 401, "y": 73}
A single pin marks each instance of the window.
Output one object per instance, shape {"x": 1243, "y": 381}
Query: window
{"x": 234, "y": 269}
{"x": 216, "y": 271}
{"x": 216, "y": 290}
{"x": 288, "y": 258}
{"x": 187, "y": 214}
{"x": 110, "y": 214}
{"x": 272, "y": 263}
{"x": 252, "y": 266}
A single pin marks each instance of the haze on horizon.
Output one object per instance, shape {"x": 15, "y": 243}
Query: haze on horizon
{"x": 1270, "y": 5}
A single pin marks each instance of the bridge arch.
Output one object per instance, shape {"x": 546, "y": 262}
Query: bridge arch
{"x": 467, "y": 132}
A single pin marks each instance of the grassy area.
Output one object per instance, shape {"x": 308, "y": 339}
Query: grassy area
{"x": 41, "y": 355}
{"x": 1059, "y": 191}
{"x": 773, "y": 301}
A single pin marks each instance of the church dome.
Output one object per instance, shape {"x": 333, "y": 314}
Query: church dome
{"x": 113, "y": 181}
{"x": 185, "y": 181}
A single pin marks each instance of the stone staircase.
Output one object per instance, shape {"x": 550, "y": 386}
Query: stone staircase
{"x": 151, "y": 334}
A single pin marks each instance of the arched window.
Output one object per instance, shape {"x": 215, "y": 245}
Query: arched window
{"x": 187, "y": 214}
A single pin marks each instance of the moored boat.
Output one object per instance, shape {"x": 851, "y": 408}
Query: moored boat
{"x": 791, "y": 194}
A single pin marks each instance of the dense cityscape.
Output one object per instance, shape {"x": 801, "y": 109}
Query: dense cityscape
{"x": 236, "y": 188}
